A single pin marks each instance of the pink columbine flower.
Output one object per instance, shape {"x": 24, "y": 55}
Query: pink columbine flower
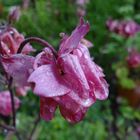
{"x": 123, "y": 28}
{"x": 5, "y": 103}
{"x": 10, "y": 41}
{"x": 18, "y": 66}
{"x": 112, "y": 25}
{"x": 70, "y": 81}
{"x": 133, "y": 58}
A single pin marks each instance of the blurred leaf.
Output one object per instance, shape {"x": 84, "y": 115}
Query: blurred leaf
{"x": 122, "y": 72}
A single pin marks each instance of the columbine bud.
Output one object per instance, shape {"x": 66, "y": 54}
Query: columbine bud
{"x": 14, "y": 14}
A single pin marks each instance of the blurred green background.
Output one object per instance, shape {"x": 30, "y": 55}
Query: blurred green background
{"x": 113, "y": 119}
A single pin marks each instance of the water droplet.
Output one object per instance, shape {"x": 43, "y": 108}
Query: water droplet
{"x": 51, "y": 109}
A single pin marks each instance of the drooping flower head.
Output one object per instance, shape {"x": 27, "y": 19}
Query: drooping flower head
{"x": 18, "y": 66}
{"x": 70, "y": 81}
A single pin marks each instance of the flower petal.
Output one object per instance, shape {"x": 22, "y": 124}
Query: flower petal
{"x": 47, "y": 108}
{"x": 19, "y": 67}
{"x": 73, "y": 102}
{"x": 73, "y": 117}
{"x": 72, "y": 42}
{"x": 48, "y": 81}
{"x": 93, "y": 73}
{"x": 73, "y": 74}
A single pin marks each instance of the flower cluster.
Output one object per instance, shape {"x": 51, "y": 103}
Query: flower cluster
{"x": 123, "y": 28}
{"x": 10, "y": 40}
{"x": 67, "y": 79}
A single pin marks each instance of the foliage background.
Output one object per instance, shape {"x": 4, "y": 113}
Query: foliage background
{"x": 106, "y": 120}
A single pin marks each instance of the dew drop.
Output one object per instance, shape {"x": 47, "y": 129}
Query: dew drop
{"x": 51, "y": 109}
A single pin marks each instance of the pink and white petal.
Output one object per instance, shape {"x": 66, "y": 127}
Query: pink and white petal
{"x": 73, "y": 102}
{"x": 98, "y": 85}
{"x": 19, "y": 67}
{"x": 45, "y": 57}
{"x": 81, "y": 50}
{"x": 94, "y": 74}
{"x": 4, "y": 49}
{"x": 74, "y": 75}
{"x": 72, "y": 42}
{"x": 86, "y": 43}
{"x": 47, "y": 108}
{"x": 73, "y": 117}
{"x": 28, "y": 49}
{"x": 48, "y": 82}
{"x": 10, "y": 43}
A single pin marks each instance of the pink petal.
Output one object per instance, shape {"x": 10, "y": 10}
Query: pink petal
{"x": 5, "y": 103}
{"x": 73, "y": 74}
{"x": 9, "y": 43}
{"x": 48, "y": 81}
{"x": 76, "y": 36}
{"x": 47, "y": 108}
{"x": 87, "y": 43}
{"x": 74, "y": 77}
{"x": 12, "y": 39}
{"x": 73, "y": 102}
{"x": 19, "y": 67}
{"x": 93, "y": 73}
{"x": 73, "y": 117}
{"x": 45, "y": 57}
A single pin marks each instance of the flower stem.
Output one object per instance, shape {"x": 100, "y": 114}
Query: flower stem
{"x": 37, "y": 40}
{"x": 12, "y": 101}
{"x": 34, "y": 127}
{"x": 9, "y": 128}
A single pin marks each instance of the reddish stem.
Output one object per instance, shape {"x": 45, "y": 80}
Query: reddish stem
{"x": 37, "y": 40}
{"x": 12, "y": 101}
{"x": 9, "y": 128}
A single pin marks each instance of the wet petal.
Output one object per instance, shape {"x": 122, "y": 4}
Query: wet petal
{"x": 47, "y": 108}
{"x": 9, "y": 43}
{"x": 73, "y": 102}
{"x": 19, "y": 67}
{"x": 76, "y": 36}
{"x": 73, "y": 117}
{"x": 87, "y": 43}
{"x": 93, "y": 73}
{"x": 48, "y": 81}
{"x": 73, "y": 74}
